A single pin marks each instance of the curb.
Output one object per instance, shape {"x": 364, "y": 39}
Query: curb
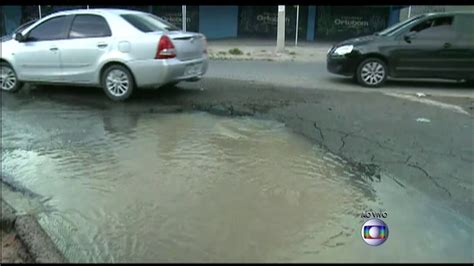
{"x": 36, "y": 241}
{"x": 251, "y": 54}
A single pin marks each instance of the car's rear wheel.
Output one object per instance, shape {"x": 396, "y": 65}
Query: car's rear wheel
{"x": 8, "y": 78}
{"x": 372, "y": 72}
{"x": 117, "y": 82}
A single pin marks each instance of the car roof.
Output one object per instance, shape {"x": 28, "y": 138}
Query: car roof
{"x": 450, "y": 13}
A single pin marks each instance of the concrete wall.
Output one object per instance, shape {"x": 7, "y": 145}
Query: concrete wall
{"x": 218, "y": 21}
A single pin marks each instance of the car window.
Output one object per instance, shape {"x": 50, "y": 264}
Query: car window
{"x": 89, "y": 26}
{"x": 389, "y": 31}
{"x": 422, "y": 26}
{"x": 464, "y": 24}
{"x": 148, "y": 23}
{"x": 441, "y": 27}
{"x": 52, "y": 29}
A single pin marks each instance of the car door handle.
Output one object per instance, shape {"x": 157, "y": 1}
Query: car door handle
{"x": 53, "y": 49}
{"x": 447, "y": 45}
{"x": 102, "y": 45}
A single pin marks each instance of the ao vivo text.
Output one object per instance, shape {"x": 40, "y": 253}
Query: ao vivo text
{"x": 373, "y": 214}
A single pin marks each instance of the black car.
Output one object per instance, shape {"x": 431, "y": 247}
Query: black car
{"x": 435, "y": 45}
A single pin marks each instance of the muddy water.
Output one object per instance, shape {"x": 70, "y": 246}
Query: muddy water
{"x": 125, "y": 187}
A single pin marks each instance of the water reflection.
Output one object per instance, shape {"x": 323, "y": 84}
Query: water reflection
{"x": 147, "y": 187}
{"x": 181, "y": 187}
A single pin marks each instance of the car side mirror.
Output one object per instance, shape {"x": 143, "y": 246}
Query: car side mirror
{"x": 409, "y": 36}
{"x": 19, "y": 37}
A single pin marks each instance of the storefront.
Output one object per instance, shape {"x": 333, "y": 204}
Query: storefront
{"x": 174, "y": 15}
{"x": 314, "y": 22}
{"x": 261, "y": 21}
{"x": 13, "y": 16}
{"x": 341, "y": 22}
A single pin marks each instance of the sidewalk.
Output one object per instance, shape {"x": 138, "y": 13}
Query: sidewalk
{"x": 255, "y": 49}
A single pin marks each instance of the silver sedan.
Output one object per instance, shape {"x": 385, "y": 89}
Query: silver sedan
{"x": 118, "y": 50}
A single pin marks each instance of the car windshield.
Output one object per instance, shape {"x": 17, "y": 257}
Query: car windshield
{"x": 149, "y": 23}
{"x": 391, "y": 30}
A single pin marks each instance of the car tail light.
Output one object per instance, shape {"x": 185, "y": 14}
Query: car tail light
{"x": 165, "y": 49}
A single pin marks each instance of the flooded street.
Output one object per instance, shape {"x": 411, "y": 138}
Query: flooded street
{"x": 117, "y": 186}
{"x": 237, "y": 134}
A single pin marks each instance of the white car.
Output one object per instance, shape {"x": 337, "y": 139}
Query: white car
{"x": 118, "y": 50}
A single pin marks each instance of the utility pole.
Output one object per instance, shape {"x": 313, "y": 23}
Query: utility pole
{"x": 297, "y": 18}
{"x": 281, "y": 29}
{"x": 184, "y": 17}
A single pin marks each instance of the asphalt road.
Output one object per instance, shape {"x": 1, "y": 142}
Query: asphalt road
{"x": 427, "y": 145}
{"x": 314, "y": 75}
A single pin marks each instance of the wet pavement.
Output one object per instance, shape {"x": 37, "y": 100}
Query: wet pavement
{"x": 157, "y": 179}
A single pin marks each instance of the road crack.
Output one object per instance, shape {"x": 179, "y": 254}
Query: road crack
{"x": 343, "y": 142}
{"x": 376, "y": 142}
{"x": 320, "y": 131}
{"x": 430, "y": 177}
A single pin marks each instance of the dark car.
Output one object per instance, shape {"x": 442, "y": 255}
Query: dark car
{"x": 435, "y": 45}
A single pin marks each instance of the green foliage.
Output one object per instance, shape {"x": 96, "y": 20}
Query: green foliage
{"x": 235, "y": 51}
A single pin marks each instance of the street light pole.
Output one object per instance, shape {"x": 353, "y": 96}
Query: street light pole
{"x": 184, "y": 17}
{"x": 39, "y": 11}
{"x": 409, "y": 11}
{"x": 297, "y": 18}
{"x": 281, "y": 29}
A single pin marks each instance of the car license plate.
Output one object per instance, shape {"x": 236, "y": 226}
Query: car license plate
{"x": 193, "y": 69}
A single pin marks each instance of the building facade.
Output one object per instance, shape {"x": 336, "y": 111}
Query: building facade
{"x": 411, "y": 11}
{"x": 217, "y": 22}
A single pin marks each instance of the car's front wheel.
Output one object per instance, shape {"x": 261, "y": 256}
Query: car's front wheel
{"x": 117, "y": 82}
{"x": 8, "y": 78}
{"x": 372, "y": 72}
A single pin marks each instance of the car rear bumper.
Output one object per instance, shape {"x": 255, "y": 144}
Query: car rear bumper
{"x": 341, "y": 65}
{"x": 156, "y": 73}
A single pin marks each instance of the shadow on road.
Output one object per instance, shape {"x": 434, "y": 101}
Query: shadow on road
{"x": 95, "y": 97}
{"x": 409, "y": 84}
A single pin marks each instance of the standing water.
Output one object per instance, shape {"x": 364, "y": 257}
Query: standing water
{"x": 193, "y": 187}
